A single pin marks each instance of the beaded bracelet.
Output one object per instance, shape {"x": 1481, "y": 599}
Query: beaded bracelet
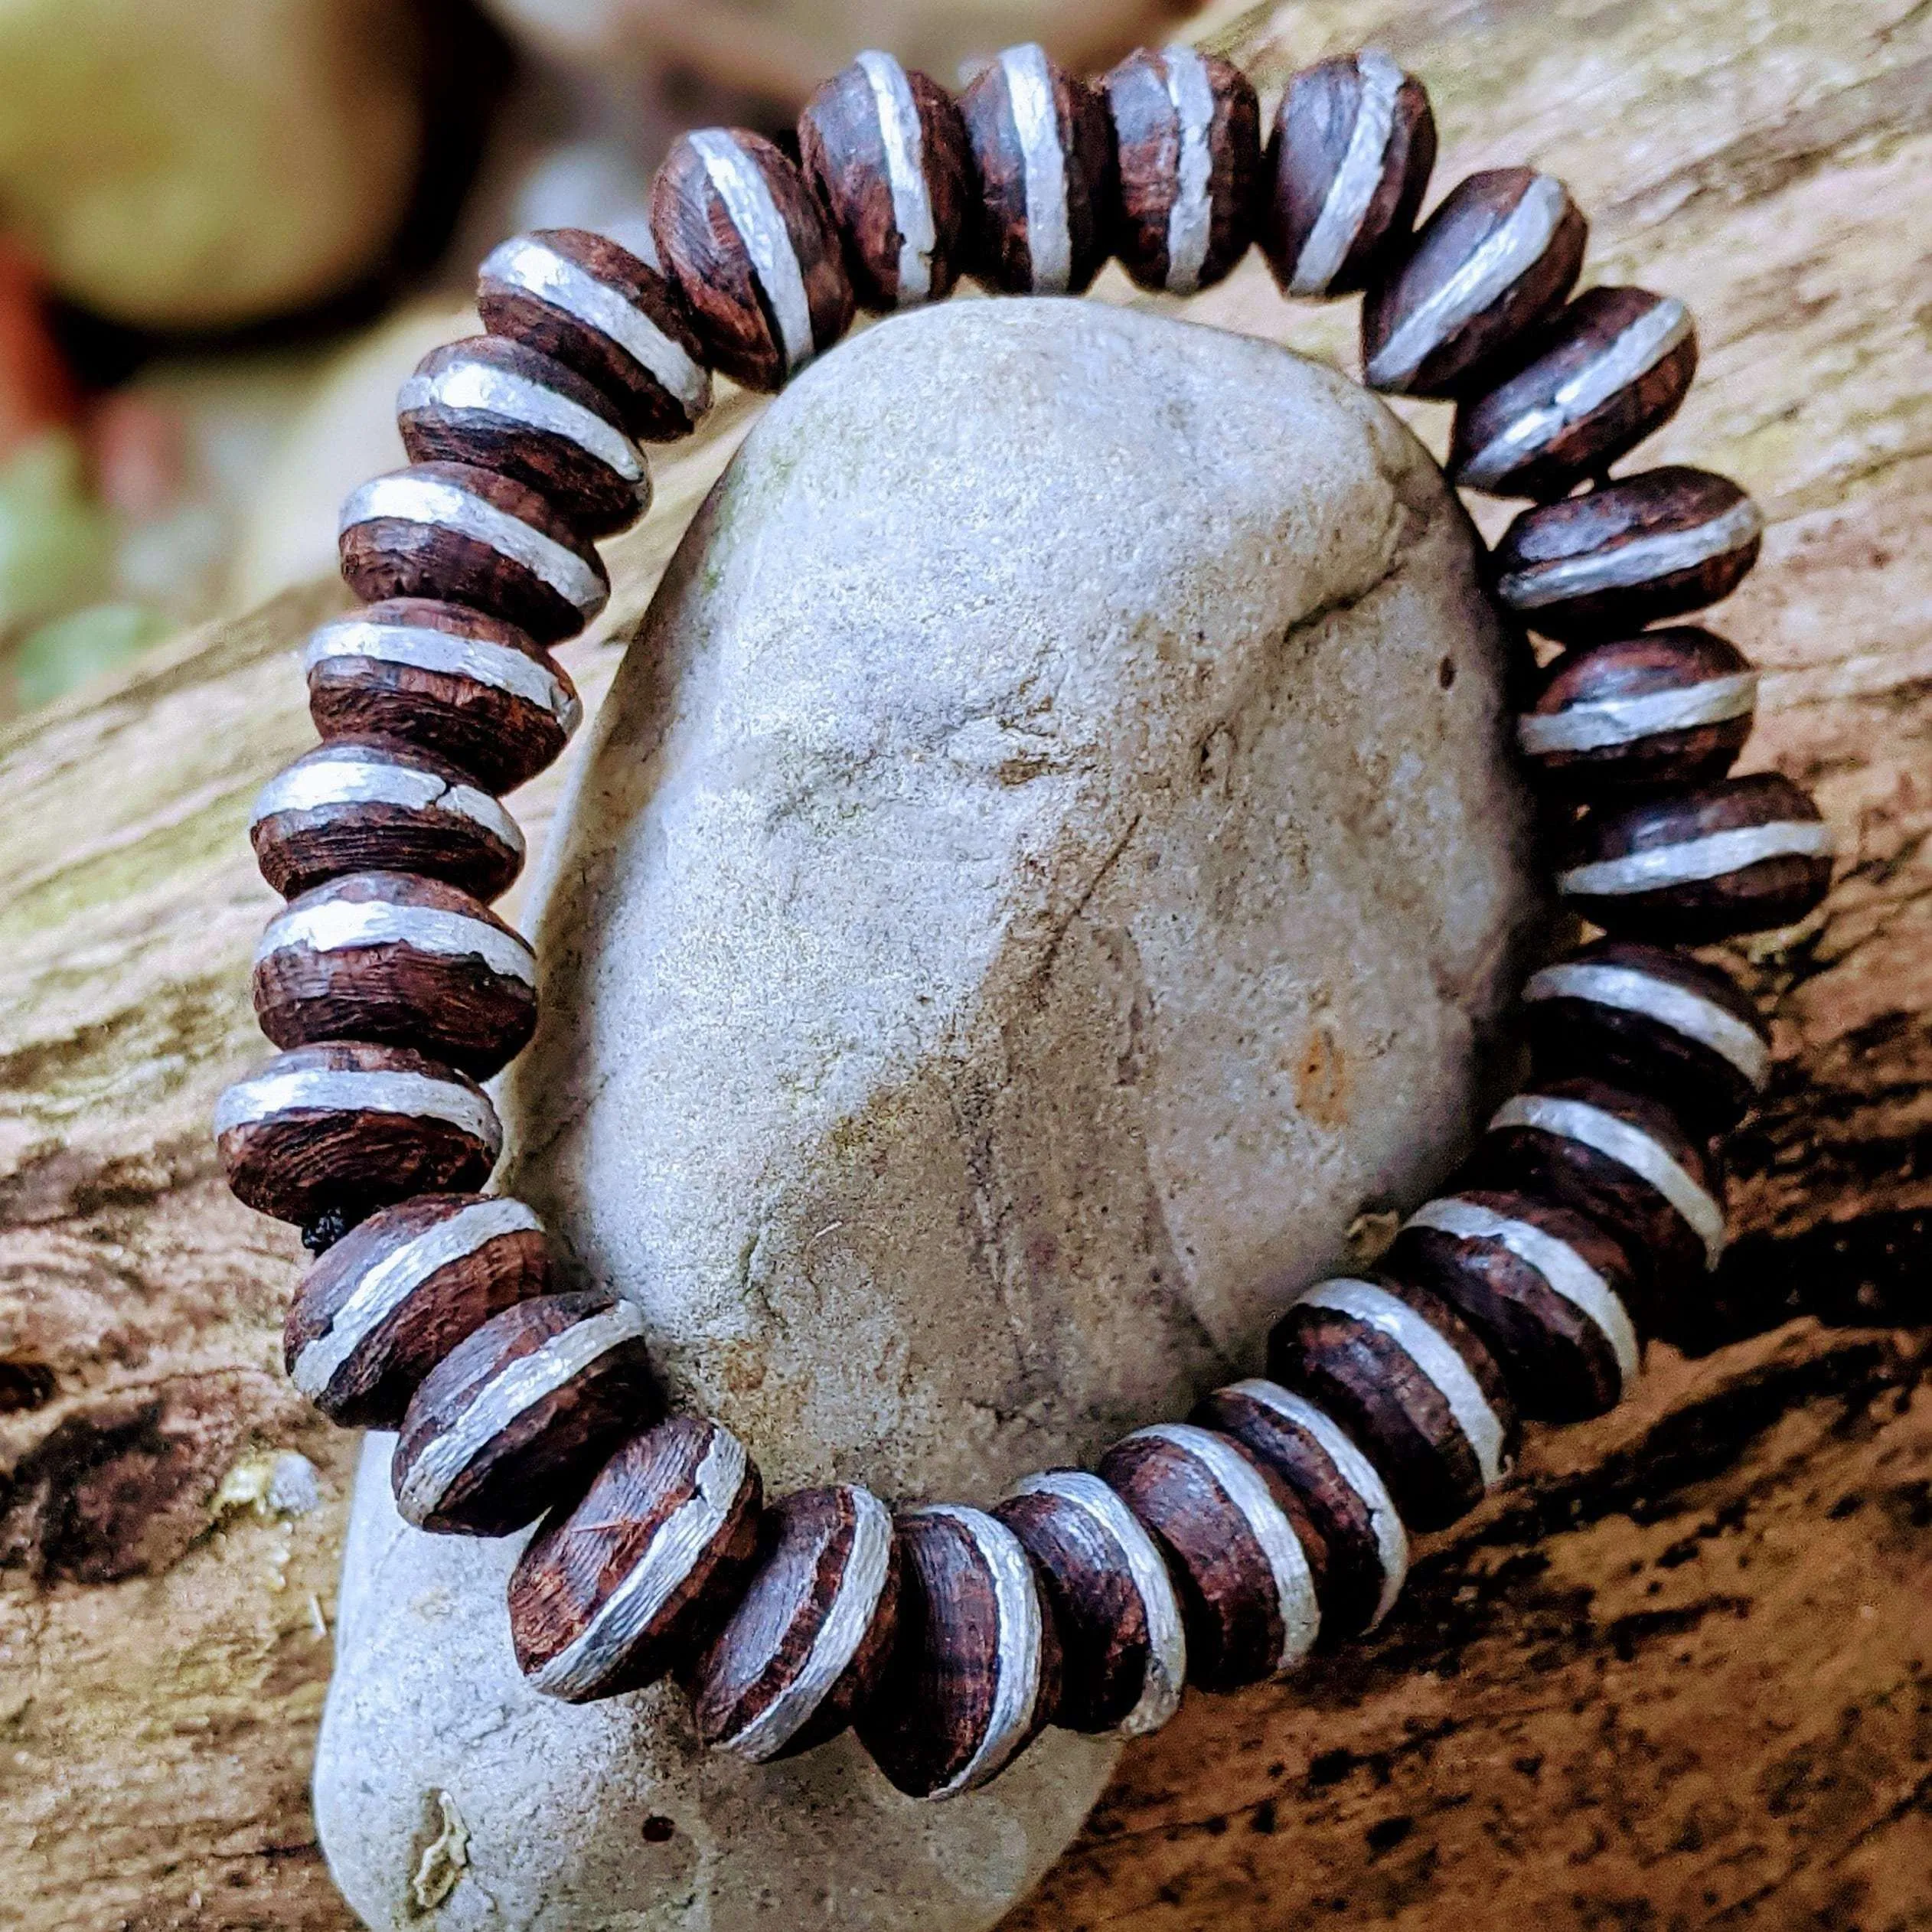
{"x": 1218, "y": 1551}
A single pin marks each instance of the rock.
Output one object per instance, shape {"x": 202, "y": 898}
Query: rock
{"x": 1048, "y": 865}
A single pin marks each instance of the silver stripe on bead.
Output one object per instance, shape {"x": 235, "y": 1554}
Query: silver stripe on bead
{"x": 409, "y": 497}
{"x": 1629, "y": 1147}
{"x": 903, "y": 141}
{"x": 341, "y": 924}
{"x": 1345, "y": 205}
{"x": 1599, "y": 722}
{"x": 1641, "y": 560}
{"x": 1685, "y": 1013}
{"x": 390, "y": 1282}
{"x": 1036, "y": 127}
{"x": 1503, "y": 256}
{"x": 1234, "y": 1477}
{"x": 1630, "y": 354}
{"x": 421, "y": 648}
{"x": 1686, "y": 862}
{"x": 662, "y": 1566}
{"x": 352, "y": 1090}
{"x": 1190, "y": 220}
{"x": 1356, "y": 1470}
{"x": 321, "y": 782}
{"x": 1166, "y": 1670}
{"x": 741, "y": 186}
{"x": 1565, "y": 1271}
{"x": 524, "y": 262}
{"x": 1437, "y": 1357}
{"x": 861, "y": 1583}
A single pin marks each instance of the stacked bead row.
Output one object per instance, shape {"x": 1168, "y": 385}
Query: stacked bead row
{"x": 1217, "y": 1552}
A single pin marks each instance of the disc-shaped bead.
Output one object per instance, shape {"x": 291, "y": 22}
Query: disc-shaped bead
{"x": 404, "y": 961}
{"x": 1245, "y": 1556}
{"x": 372, "y": 805}
{"x": 974, "y": 1672}
{"x": 618, "y": 1589}
{"x": 1043, "y": 153}
{"x": 1493, "y": 262}
{"x": 751, "y": 252}
{"x": 885, "y": 151}
{"x": 1409, "y": 1381}
{"x": 351, "y": 1128}
{"x": 811, "y": 1631}
{"x": 518, "y": 1415}
{"x": 597, "y": 308}
{"x": 1646, "y": 547}
{"x": 1347, "y": 165}
{"x": 1187, "y": 139}
{"x": 395, "y": 1295}
{"x": 1123, "y": 1649}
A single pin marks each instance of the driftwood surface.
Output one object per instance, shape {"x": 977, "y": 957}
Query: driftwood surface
{"x": 1681, "y": 1675}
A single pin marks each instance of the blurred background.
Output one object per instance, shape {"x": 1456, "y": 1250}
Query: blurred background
{"x": 229, "y": 228}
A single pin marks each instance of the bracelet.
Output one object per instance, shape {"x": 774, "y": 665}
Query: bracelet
{"x": 1215, "y": 1551}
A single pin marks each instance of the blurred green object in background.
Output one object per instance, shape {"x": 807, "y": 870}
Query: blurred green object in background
{"x": 55, "y": 537}
{"x": 66, "y": 653}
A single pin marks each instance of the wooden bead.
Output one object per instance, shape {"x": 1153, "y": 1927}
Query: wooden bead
{"x": 1643, "y": 549}
{"x": 1653, "y": 1019}
{"x": 467, "y": 688}
{"x": 1043, "y": 153}
{"x": 753, "y": 254}
{"x": 456, "y": 532}
{"x": 406, "y": 962}
{"x": 394, "y": 1296}
{"x": 1187, "y": 139}
{"x": 1347, "y": 165}
{"x": 974, "y": 1675}
{"x": 1547, "y": 1291}
{"x": 504, "y": 406}
{"x": 1744, "y": 855}
{"x": 1491, "y": 264}
{"x": 366, "y": 805}
{"x": 597, "y": 308}
{"x": 810, "y": 1636}
{"x": 1631, "y": 714}
{"x": 1245, "y": 1558}
{"x": 1123, "y": 1647}
{"x": 1338, "y": 1487}
{"x": 1411, "y": 1382}
{"x": 618, "y": 1589}
{"x": 885, "y": 152}
{"x": 352, "y": 1126}
{"x": 518, "y": 1415}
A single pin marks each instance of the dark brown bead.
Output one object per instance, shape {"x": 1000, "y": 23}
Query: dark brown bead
{"x": 810, "y": 1635}
{"x": 1043, "y": 151}
{"x": 1187, "y": 141}
{"x": 515, "y": 1418}
{"x": 353, "y": 1127}
{"x": 597, "y": 308}
{"x": 1632, "y": 715}
{"x": 467, "y": 688}
{"x": 1246, "y": 1557}
{"x": 1547, "y": 1291}
{"x": 1123, "y": 1646}
{"x": 1347, "y": 165}
{"x": 1646, "y": 547}
{"x": 753, "y": 254}
{"x": 394, "y": 1296}
{"x": 1653, "y": 1019}
{"x": 367, "y": 805}
{"x": 1337, "y": 1485}
{"x": 885, "y": 152}
{"x": 467, "y": 536}
{"x": 1411, "y": 1382}
{"x": 1491, "y": 265}
{"x": 974, "y": 1675}
{"x": 406, "y": 962}
{"x": 619, "y": 1589}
